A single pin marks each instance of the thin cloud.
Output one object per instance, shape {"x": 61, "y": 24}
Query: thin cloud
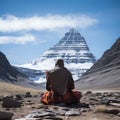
{"x": 49, "y": 22}
{"x": 17, "y": 39}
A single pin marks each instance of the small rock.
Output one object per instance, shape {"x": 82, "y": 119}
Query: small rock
{"x": 104, "y": 101}
{"x": 115, "y": 104}
{"x": 61, "y": 112}
{"x": 83, "y": 110}
{"x": 34, "y": 115}
{"x": 28, "y": 119}
{"x": 41, "y": 114}
{"x": 6, "y": 115}
{"x": 45, "y": 107}
{"x": 28, "y": 100}
{"x": 112, "y": 111}
{"x": 94, "y": 99}
{"x": 56, "y": 108}
{"x": 18, "y": 97}
{"x": 117, "y": 94}
{"x": 72, "y": 113}
{"x": 110, "y": 94}
{"x": 66, "y": 109}
{"x": 115, "y": 100}
{"x": 98, "y": 94}
{"x": 28, "y": 94}
{"x": 88, "y": 92}
{"x": 6, "y": 96}
{"x": 83, "y": 105}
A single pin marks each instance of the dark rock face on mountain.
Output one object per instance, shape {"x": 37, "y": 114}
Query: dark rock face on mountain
{"x": 10, "y": 74}
{"x": 105, "y": 73}
{"x": 110, "y": 58}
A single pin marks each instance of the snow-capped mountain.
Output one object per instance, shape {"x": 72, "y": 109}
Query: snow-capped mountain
{"x": 73, "y": 49}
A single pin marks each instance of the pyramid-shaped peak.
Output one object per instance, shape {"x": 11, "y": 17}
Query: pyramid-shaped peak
{"x": 73, "y": 49}
{"x": 74, "y": 36}
{"x": 72, "y": 33}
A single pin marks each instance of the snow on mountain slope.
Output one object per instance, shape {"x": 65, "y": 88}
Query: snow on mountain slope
{"x": 73, "y": 49}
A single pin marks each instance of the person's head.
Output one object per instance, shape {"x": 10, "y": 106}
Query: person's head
{"x": 59, "y": 63}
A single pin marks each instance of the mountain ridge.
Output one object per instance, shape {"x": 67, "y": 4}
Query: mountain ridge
{"x": 10, "y": 74}
{"x": 105, "y": 73}
{"x": 6, "y": 69}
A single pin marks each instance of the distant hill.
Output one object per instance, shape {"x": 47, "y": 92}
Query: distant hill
{"x": 10, "y": 74}
{"x": 105, "y": 73}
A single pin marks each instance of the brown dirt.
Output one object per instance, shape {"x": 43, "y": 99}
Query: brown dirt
{"x": 33, "y": 103}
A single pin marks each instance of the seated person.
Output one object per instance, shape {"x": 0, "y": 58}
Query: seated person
{"x": 60, "y": 86}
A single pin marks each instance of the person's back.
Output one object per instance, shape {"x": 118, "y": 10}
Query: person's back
{"x": 60, "y": 84}
{"x": 59, "y": 77}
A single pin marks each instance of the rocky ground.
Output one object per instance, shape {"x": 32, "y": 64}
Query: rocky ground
{"x": 93, "y": 106}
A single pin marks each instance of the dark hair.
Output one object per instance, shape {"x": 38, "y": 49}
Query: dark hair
{"x": 59, "y": 63}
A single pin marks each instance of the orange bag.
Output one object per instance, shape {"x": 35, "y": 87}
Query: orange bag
{"x": 51, "y": 97}
{"x": 47, "y": 98}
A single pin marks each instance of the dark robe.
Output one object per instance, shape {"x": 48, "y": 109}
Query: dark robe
{"x": 60, "y": 80}
{"x": 60, "y": 86}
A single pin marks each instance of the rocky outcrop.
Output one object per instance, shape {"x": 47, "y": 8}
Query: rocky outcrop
{"x": 105, "y": 73}
{"x": 10, "y": 74}
{"x": 110, "y": 58}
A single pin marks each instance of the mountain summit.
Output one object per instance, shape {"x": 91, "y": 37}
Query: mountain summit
{"x": 73, "y": 49}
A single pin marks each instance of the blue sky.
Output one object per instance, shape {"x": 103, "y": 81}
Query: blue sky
{"x": 30, "y": 27}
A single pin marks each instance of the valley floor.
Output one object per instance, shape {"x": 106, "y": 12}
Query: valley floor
{"x": 100, "y": 108}
{"x": 12, "y": 89}
{"x": 32, "y": 104}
